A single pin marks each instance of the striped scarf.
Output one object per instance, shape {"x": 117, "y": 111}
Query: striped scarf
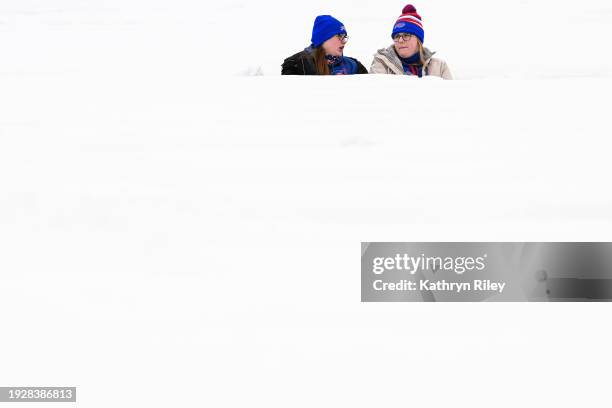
{"x": 412, "y": 65}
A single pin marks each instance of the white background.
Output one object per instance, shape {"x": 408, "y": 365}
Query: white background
{"x": 175, "y": 231}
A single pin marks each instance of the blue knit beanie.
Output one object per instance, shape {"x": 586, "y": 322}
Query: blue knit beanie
{"x": 409, "y": 22}
{"x": 325, "y": 27}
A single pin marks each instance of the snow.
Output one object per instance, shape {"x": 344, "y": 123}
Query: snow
{"x": 180, "y": 224}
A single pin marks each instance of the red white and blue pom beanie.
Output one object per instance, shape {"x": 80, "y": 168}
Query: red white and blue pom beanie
{"x": 409, "y": 22}
{"x": 325, "y": 27}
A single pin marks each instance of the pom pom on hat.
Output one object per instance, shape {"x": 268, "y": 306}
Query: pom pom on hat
{"x": 409, "y": 9}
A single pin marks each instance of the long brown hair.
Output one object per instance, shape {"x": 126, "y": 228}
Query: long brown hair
{"x": 320, "y": 61}
{"x": 421, "y": 52}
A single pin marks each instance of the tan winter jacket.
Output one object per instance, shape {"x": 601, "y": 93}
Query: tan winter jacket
{"x": 386, "y": 61}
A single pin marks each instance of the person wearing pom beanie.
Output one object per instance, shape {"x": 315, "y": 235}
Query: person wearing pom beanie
{"x": 325, "y": 55}
{"x": 407, "y": 55}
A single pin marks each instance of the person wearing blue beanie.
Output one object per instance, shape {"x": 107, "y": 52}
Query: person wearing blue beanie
{"x": 407, "y": 55}
{"x": 325, "y": 55}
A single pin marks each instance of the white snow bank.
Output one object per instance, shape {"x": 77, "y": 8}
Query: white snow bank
{"x": 175, "y": 233}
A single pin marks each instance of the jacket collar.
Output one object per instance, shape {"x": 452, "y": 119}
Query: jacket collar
{"x": 389, "y": 56}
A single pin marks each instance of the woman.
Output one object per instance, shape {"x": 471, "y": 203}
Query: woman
{"x": 325, "y": 54}
{"x": 407, "y": 56}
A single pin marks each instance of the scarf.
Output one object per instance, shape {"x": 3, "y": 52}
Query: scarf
{"x": 412, "y": 65}
{"x": 338, "y": 65}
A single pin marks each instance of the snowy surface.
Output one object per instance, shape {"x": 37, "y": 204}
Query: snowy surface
{"x": 177, "y": 231}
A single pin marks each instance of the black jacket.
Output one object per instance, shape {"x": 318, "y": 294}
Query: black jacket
{"x": 302, "y": 63}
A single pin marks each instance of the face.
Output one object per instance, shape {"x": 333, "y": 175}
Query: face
{"x": 405, "y": 47}
{"x": 335, "y": 45}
